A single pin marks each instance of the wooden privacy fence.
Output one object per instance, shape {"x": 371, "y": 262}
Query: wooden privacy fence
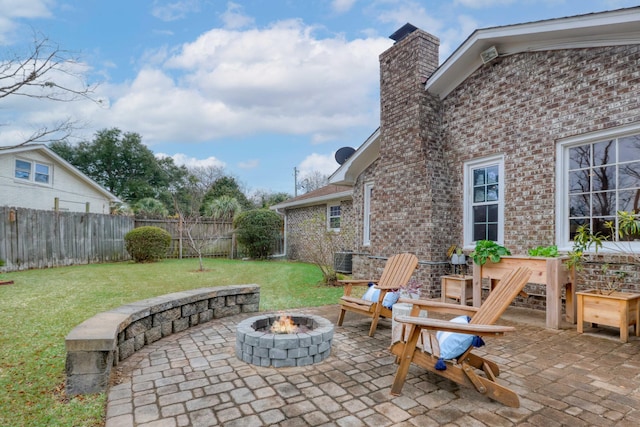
{"x": 32, "y": 238}
{"x": 40, "y": 239}
{"x": 213, "y": 238}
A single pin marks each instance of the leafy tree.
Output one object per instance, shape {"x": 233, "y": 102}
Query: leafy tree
{"x": 228, "y": 186}
{"x": 258, "y": 230}
{"x": 224, "y": 208}
{"x": 150, "y": 207}
{"x": 123, "y": 165}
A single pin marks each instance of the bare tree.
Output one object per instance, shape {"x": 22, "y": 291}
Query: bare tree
{"x": 206, "y": 175}
{"x": 46, "y": 72}
{"x": 313, "y": 181}
{"x": 202, "y": 233}
{"x": 321, "y": 245}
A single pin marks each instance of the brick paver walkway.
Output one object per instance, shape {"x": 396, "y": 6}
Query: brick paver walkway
{"x": 194, "y": 379}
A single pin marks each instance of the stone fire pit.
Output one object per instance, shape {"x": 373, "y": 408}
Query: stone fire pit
{"x": 256, "y": 344}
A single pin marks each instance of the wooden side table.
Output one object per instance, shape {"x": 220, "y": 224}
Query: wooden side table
{"x": 457, "y": 287}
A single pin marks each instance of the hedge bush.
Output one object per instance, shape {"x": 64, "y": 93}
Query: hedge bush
{"x": 147, "y": 244}
{"x": 258, "y": 230}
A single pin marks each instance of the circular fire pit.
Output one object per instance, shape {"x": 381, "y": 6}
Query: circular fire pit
{"x": 258, "y": 345}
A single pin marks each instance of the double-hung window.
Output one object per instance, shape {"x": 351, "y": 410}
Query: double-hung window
{"x": 333, "y": 217}
{"x": 33, "y": 171}
{"x": 600, "y": 176}
{"x": 484, "y": 200}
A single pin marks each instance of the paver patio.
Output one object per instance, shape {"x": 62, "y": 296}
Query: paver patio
{"x": 193, "y": 378}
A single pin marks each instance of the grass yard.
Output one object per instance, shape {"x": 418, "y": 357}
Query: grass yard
{"x": 42, "y": 306}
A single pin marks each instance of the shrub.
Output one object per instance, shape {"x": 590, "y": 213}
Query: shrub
{"x": 147, "y": 244}
{"x": 258, "y": 230}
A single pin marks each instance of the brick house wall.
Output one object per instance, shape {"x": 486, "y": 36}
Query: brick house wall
{"x": 304, "y": 228}
{"x": 518, "y": 106}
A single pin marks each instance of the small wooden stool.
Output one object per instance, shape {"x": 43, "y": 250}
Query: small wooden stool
{"x": 459, "y": 288}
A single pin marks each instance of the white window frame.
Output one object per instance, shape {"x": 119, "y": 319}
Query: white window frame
{"x": 33, "y": 165}
{"x": 366, "y": 220}
{"x": 562, "y": 182}
{"x": 468, "y": 196}
{"x": 329, "y": 216}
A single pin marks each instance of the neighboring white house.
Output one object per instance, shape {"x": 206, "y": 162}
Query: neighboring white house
{"x": 33, "y": 176}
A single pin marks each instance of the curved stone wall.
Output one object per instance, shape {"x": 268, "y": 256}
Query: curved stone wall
{"x": 100, "y": 342}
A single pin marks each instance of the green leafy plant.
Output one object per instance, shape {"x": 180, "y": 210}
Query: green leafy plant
{"x": 583, "y": 240}
{"x": 545, "y": 251}
{"x": 147, "y": 244}
{"x": 488, "y": 250}
{"x": 258, "y": 230}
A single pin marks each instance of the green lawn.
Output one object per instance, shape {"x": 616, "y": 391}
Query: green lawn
{"x": 42, "y": 306}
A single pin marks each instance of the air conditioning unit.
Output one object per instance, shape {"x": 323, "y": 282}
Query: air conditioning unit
{"x": 343, "y": 262}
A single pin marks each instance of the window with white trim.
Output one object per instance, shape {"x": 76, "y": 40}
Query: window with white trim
{"x": 333, "y": 217}
{"x": 33, "y": 171}
{"x": 366, "y": 226}
{"x": 600, "y": 176}
{"x": 484, "y": 200}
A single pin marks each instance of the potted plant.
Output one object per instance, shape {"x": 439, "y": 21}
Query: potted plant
{"x": 606, "y": 304}
{"x": 488, "y": 250}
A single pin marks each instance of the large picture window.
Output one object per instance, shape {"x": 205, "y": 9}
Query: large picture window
{"x": 603, "y": 177}
{"x": 484, "y": 188}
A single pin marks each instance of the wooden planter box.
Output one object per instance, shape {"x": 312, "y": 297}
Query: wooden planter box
{"x": 619, "y": 310}
{"x": 546, "y": 271}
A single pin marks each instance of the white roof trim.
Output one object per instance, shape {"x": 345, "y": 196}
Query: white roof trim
{"x": 342, "y": 195}
{"x": 72, "y": 169}
{"x": 618, "y": 27}
{"x": 367, "y": 153}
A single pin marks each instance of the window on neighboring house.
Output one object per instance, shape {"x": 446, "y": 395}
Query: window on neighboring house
{"x": 33, "y": 171}
{"x": 600, "y": 177}
{"x": 334, "y": 217}
{"x": 484, "y": 198}
{"x": 366, "y": 229}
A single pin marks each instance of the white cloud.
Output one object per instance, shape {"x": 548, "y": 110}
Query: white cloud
{"x": 237, "y": 83}
{"x": 234, "y": 18}
{"x": 191, "y": 162}
{"x": 249, "y": 164}
{"x": 342, "y": 6}
{"x": 413, "y": 12}
{"x": 11, "y": 10}
{"x": 174, "y": 10}
{"x": 323, "y": 163}
{"x": 26, "y": 8}
{"x": 479, "y": 4}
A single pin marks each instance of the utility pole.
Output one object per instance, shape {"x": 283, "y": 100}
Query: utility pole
{"x": 295, "y": 181}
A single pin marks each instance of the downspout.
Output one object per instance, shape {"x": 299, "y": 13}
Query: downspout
{"x": 282, "y": 255}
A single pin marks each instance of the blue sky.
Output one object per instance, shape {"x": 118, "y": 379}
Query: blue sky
{"x": 258, "y": 87}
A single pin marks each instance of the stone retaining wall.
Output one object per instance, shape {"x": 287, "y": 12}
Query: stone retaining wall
{"x": 102, "y": 341}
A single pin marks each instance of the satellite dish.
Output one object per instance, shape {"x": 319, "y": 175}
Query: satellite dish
{"x": 343, "y": 154}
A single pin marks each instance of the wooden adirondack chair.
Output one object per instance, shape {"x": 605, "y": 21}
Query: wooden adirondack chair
{"x": 461, "y": 370}
{"x": 396, "y": 274}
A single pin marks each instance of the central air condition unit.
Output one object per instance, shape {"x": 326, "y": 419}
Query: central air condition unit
{"x": 342, "y": 262}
